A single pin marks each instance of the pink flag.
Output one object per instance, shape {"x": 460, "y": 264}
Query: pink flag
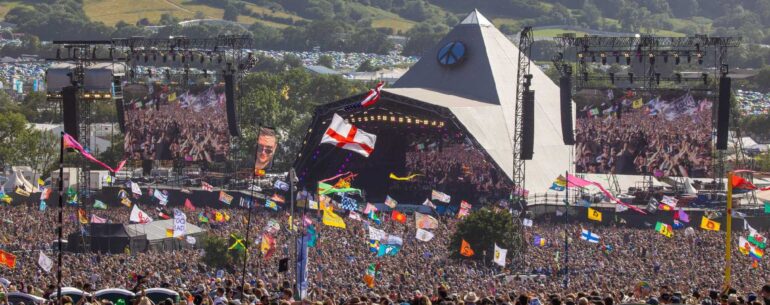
{"x": 97, "y": 219}
{"x": 683, "y": 216}
{"x": 306, "y": 220}
{"x": 70, "y": 142}
{"x": 573, "y": 181}
{"x": 188, "y": 205}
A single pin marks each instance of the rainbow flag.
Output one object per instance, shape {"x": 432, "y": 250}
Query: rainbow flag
{"x": 539, "y": 241}
{"x": 756, "y": 252}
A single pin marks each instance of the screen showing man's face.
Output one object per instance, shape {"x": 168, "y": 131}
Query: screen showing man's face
{"x": 266, "y": 146}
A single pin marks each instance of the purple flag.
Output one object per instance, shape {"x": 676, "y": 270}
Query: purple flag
{"x": 683, "y": 216}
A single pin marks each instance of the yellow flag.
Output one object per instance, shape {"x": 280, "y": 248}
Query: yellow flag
{"x": 637, "y": 104}
{"x": 219, "y": 217}
{"x": 333, "y": 220}
{"x": 169, "y": 232}
{"x": 709, "y": 225}
{"x": 227, "y": 217}
{"x": 594, "y": 215}
{"x": 40, "y": 182}
{"x": 172, "y": 97}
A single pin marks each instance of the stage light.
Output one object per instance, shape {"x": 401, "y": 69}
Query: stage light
{"x": 183, "y": 57}
{"x": 657, "y": 78}
{"x": 366, "y": 119}
{"x": 97, "y": 95}
{"x": 425, "y": 122}
{"x": 93, "y": 53}
{"x": 631, "y": 77}
{"x": 392, "y": 119}
{"x": 409, "y": 120}
{"x": 400, "y": 119}
{"x": 705, "y": 77}
{"x": 371, "y": 118}
{"x": 580, "y": 55}
{"x": 652, "y": 58}
{"x": 628, "y": 58}
{"x": 604, "y": 58}
{"x": 676, "y": 58}
{"x": 202, "y": 58}
{"x": 108, "y": 95}
{"x": 433, "y": 123}
{"x": 87, "y": 95}
{"x": 441, "y": 124}
{"x": 678, "y": 78}
{"x": 700, "y": 58}
{"x": 612, "y": 78}
{"x": 418, "y": 121}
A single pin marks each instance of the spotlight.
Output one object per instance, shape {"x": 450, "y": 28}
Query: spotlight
{"x": 631, "y": 77}
{"x": 700, "y": 58}
{"x": 652, "y": 58}
{"x": 628, "y": 58}
{"x": 676, "y": 58}
{"x": 705, "y": 77}
{"x": 604, "y": 58}
{"x": 612, "y": 78}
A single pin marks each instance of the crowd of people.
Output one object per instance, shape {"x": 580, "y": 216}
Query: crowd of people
{"x": 661, "y": 138}
{"x": 170, "y": 124}
{"x": 685, "y": 267}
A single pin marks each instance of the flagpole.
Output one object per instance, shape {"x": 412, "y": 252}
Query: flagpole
{"x": 248, "y": 220}
{"x": 566, "y": 225}
{"x": 61, "y": 217}
{"x": 728, "y": 237}
{"x": 292, "y": 176}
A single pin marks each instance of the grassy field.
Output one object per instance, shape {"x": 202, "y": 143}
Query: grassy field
{"x": 7, "y": 6}
{"x": 382, "y": 18}
{"x": 550, "y": 33}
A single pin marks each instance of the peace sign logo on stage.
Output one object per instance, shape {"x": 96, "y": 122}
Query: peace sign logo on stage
{"x": 452, "y": 53}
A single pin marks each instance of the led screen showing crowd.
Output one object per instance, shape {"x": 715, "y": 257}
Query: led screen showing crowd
{"x": 451, "y": 162}
{"x": 660, "y": 133}
{"x": 166, "y": 122}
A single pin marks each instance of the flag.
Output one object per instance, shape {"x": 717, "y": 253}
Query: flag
{"x": 682, "y": 216}
{"x": 272, "y": 226}
{"x": 245, "y": 202}
{"x": 278, "y": 198}
{"x": 271, "y": 205}
{"x": 42, "y": 206}
{"x": 670, "y": 201}
{"x": 374, "y": 246}
{"x": 637, "y": 104}
{"x": 429, "y": 203}
{"x": 652, "y": 205}
{"x": 465, "y": 249}
{"x": 97, "y": 219}
{"x": 436, "y": 195}
{"x": 267, "y": 245}
{"x": 202, "y": 218}
{"x": 218, "y": 217}
{"x": 499, "y": 257}
{"x": 306, "y": 221}
{"x": 237, "y": 243}
{"x": 425, "y": 221}
{"x": 70, "y": 142}
{"x": 7, "y": 259}
{"x": 465, "y": 209}
{"x": 677, "y": 225}
{"x": 312, "y": 204}
{"x": 767, "y": 207}
{"x": 589, "y": 236}
{"x": 135, "y": 188}
{"x": 188, "y": 205}
{"x": 392, "y": 203}
{"x": 346, "y": 136}
{"x": 313, "y": 236}
{"x": 373, "y": 216}
{"x": 369, "y": 275}
{"x": 45, "y": 194}
{"x": 162, "y": 196}
{"x": 126, "y": 202}
{"x": 594, "y": 215}
{"x": 526, "y": 222}
{"x": 373, "y": 96}
{"x": 180, "y": 223}
{"x": 207, "y": 187}
{"x": 370, "y": 208}
{"x": 44, "y": 262}
{"x": 559, "y": 184}
{"x": 301, "y": 259}
{"x": 423, "y": 235}
{"x": 333, "y": 220}
{"x": 82, "y": 216}
{"x": 740, "y": 183}
{"x": 348, "y": 203}
{"x": 398, "y": 216}
{"x": 756, "y": 253}
{"x": 664, "y": 229}
{"x": 744, "y": 246}
{"x": 539, "y": 241}
{"x": 407, "y": 178}
{"x": 354, "y": 215}
{"x": 758, "y": 240}
{"x": 709, "y": 225}
{"x": 664, "y": 207}
{"x": 387, "y": 249}
{"x": 139, "y": 216}
{"x": 169, "y": 232}
{"x": 99, "y": 205}
{"x": 225, "y": 198}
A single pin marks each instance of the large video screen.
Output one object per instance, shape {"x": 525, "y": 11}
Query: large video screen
{"x": 166, "y": 122}
{"x": 661, "y": 133}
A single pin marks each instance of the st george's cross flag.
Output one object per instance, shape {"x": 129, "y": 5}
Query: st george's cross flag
{"x": 373, "y": 96}
{"x": 346, "y": 136}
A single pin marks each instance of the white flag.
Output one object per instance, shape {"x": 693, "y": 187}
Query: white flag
{"x": 559, "y": 212}
{"x": 191, "y": 240}
{"x": 500, "y": 254}
{"x": 139, "y": 216}
{"x": 527, "y": 222}
{"x": 180, "y": 223}
{"x": 747, "y": 227}
{"x": 135, "y": 188}
{"x": 620, "y": 208}
{"x": 377, "y": 234}
{"x": 346, "y": 136}
{"x": 429, "y": 203}
{"x": 423, "y": 235}
{"x": 45, "y": 262}
{"x": 739, "y": 215}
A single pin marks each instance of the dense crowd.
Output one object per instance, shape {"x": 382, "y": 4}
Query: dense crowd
{"x": 752, "y": 102}
{"x": 176, "y": 125}
{"x": 686, "y": 266}
{"x": 346, "y": 61}
{"x": 645, "y": 140}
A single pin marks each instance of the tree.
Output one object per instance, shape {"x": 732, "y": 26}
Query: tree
{"x": 217, "y": 255}
{"x": 592, "y": 16}
{"x": 366, "y": 66}
{"x": 484, "y": 228}
{"x": 231, "y": 12}
{"x": 22, "y": 145}
{"x": 326, "y": 61}
{"x": 423, "y": 36}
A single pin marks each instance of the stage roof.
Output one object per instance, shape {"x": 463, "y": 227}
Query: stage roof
{"x": 480, "y": 92}
{"x": 156, "y": 230}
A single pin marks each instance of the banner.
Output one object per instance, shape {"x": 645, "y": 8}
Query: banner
{"x": 436, "y": 195}
{"x": 180, "y": 223}
{"x": 267, "y": 144}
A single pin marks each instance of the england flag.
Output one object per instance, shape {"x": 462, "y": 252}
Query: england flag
{"x": 346, "y": 136}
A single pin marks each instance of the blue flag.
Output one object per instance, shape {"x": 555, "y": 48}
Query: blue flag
{"x": 42, "y": 205}
{"x": 349, "y": 204}
{"x": 374, "y": 246}
{"x": 302, "y": 244}
{"x": 313, "y": 236}
{"x": 391, "y": 250}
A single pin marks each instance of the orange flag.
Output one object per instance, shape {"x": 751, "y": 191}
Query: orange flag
{"x": 82, "y": 216}
{"x": 7, "y": 259}
{"x": 465, "y": 249}
{"x": 398, "y": 216}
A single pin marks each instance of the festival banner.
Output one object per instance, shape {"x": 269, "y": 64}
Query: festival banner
{"x": 425, "y": 221}
{"x": 225, "y": 197}
{"x": 180, "y": 223}
{"x": 436, "y": 195}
